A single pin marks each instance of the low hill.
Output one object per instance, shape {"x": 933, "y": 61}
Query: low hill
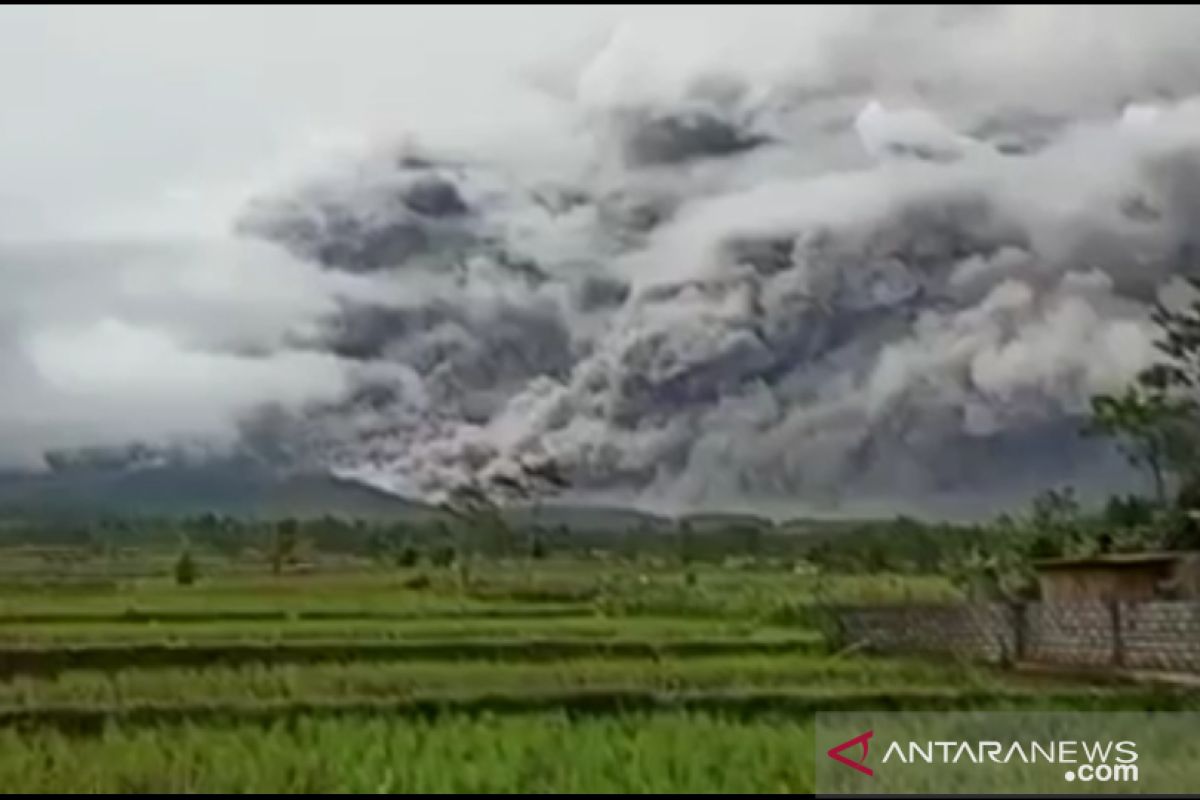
{"x": 194, "y": 489}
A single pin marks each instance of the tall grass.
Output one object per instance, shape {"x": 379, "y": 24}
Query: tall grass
{"x": 618, "y": 589}
{"x": 365, "y": 680}
{"x": 50, "y": 659}
{"x": 413, "y": 628}
{"x": 669, "y": 752}
{"x": 665, "y": 680}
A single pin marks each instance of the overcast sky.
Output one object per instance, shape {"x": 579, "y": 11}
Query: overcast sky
{"x": 136, "y": 120}
{"x": 142, "y": 119}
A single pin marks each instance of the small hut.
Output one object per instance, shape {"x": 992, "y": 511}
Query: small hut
{"x": 1120, "y": 576}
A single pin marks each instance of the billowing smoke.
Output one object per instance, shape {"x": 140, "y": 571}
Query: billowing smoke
{"x": 792, "y": 258}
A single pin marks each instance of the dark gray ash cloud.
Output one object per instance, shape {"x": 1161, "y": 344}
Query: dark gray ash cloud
{"x": 851, "y": 258}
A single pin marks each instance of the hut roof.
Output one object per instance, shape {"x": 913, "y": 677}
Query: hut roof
{"x": 1110, "y": 561}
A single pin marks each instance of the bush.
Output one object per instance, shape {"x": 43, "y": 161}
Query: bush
{"x": 538, "y": 550}
{"x": 408, "y": 557}
{"x": 1180, "y": 530}
{"x": 421, "y": 581}
{"x": 185, "y": 569}
{"x": 443, "y": 556}
{"x": 1045, "y": 546}
{"x": 1128, "y": 512}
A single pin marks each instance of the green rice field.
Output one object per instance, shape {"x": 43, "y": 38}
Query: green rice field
{"x": 573, "y": 677}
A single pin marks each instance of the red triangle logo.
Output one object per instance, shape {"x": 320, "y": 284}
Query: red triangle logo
{"x": 835, "y": 752}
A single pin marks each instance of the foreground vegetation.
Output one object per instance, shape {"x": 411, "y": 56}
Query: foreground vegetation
{"x": 573, "y": 672}
{"x": 814, "y": 673}
{"x": 666, "y": 752}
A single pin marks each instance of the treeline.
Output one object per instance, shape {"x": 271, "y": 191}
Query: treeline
{"x": 406, "y": 543}
{"x": 998, "y": 552}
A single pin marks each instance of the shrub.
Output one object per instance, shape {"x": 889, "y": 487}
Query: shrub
{"x": 538, "y": 550}
{"x": 185, "y": 569}
{"x": 443, "y": 556}
{"x": 421, "y": 581}
{"x": 408, "y": 557}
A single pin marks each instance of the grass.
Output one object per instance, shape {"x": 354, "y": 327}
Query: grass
{"x": 51, "y": 659}
{"x": 679, "y": 752}
{"x": 744, "y": 705}
{"x": 675, "y": 751}
{"x": 388, "y": 680}
{"x": 459, "y": 626}
{"x": 621, "y": 589}
{"x": 556, "y": 676}
{"x": 185, "y": 616}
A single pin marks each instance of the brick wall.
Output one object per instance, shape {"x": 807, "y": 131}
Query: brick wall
{"x": 1151, "y": 635}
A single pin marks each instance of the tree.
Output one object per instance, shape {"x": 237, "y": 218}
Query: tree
{"x": 685, "y": 542}
{"x": 1128, "y": 512}
{"x": 393, "y": 545}
{"x": 747, "y": 538}
{"x": 1057, "y": 519}
{"x": 479, "y": 502}
{"x": 185, "y": 569}
{"x": 1142, "y": 423}
{"x": 478, "y": 515}
{"x": 443, "y": 555}
{"x": 1056, "y": 509}
{"x": 537, "y": 549}
{"x": 1044, "y": 546}
{"x": 1156, "y": 419}
{"x": 284, "y": 542}
{"x": 408, "y": 556}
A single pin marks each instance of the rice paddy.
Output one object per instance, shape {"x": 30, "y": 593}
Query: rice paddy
{"x": 574, "y": 677}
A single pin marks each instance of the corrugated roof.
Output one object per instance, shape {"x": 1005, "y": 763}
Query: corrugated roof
{"x": 1110, "y": 560}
